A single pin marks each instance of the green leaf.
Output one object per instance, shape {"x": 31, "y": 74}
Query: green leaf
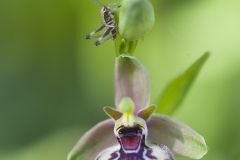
{"x": 177, "y": 136}
{"x": 94, "y": 141}
{"x": 176, "y": 91}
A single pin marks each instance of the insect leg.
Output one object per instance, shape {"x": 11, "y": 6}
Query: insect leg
{"x": 107, "y": 32}
{"x": 114, "y": 33}
{"x": 104, "y": 40}
{"x": 99, "y": 28}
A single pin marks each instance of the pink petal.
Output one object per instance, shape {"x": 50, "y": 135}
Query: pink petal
{"x": 131, "y": 80}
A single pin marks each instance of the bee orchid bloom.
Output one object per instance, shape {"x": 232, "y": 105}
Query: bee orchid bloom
{"x": 134, "y": 131}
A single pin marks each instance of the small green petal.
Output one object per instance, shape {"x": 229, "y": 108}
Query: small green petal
{"x": 94, "y": 141}
{"x": 178, "y": 137}
{"x": 112, "y": 112}
{"x": 147, "y": 112}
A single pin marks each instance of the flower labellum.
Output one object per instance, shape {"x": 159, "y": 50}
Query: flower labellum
{"x": 136, "y": 17}
{"x": 131, "y": 132}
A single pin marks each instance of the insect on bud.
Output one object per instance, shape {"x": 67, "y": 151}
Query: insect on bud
{"x": 136, "y": 17}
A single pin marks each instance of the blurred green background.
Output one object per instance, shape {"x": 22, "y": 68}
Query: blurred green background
{"x": 53, "y": 83}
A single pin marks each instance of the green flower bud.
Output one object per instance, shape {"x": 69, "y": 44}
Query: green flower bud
{"x": 136, "y": 17}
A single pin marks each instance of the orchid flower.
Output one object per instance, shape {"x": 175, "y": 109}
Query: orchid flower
{"x": 134, "y": 130}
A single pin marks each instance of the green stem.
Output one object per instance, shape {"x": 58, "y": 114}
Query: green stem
{"x": 123, "y": 46}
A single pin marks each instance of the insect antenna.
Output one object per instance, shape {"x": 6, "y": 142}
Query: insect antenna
{"x": 100, "y": 3}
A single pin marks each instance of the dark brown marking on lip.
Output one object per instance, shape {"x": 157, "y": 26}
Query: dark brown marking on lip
{"x": 120, "y": 127}
{"x": 119, "y": 155}
{"x": 149, "y": 154}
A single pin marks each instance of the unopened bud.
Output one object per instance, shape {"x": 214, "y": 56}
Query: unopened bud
{"x": 136, "y": 17}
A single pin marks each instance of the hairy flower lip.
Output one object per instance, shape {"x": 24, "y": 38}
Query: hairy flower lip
{"x": 131, "y": 141}
{"x": 130, "y": 138}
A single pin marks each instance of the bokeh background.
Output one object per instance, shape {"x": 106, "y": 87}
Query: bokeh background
{"x": 53, "y": 82}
